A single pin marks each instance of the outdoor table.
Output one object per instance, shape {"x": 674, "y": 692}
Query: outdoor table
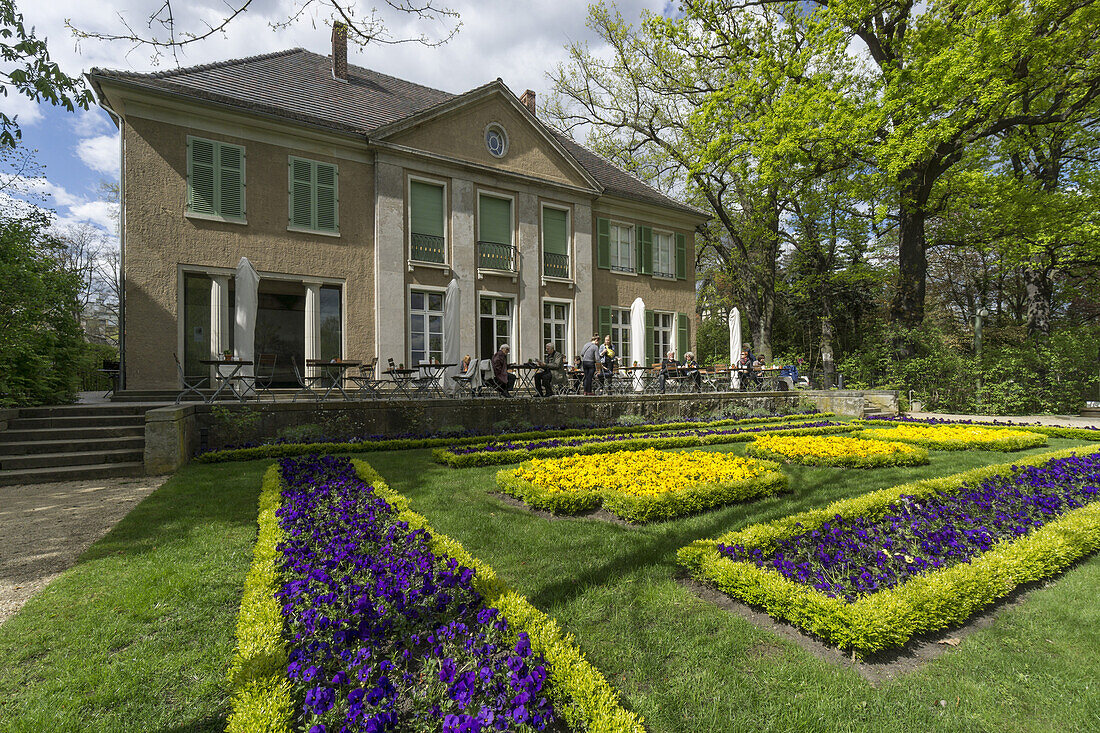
{"x": 637, "y": 375}
{"x": 402, "y": 378}
{"x": 434, "y": 373}
{"x": 334, "y": 372}
{"x": 718, "y": 380}
{"x": 226, "y": 379}
{"x": 525, "y": 376}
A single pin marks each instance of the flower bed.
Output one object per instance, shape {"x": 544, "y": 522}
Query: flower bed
{"x": 870, "y": 572}
{"x": 956, "y": 437}
{"x": 1085, "y": 432}
{"x": 412, "y": 441}
{"x": 816, "y": 450}
{"x": 384, "y": 625}
{"x": 641, "y": 486}
{"x": 508, "y": 451}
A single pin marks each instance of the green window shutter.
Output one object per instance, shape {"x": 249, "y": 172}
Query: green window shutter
{"x": 603, "y": 244}
{"x": 301, "y": 193}
{"x": 648, "y": 337}
{"x": 327, "y": 176}
{"x": 555, "y": 231}
{"x": 495, "y": 220}
{"x": 605, "y": 322}
{"x": 681, "y": 257}
{"x": 426, "y": 201}
{"x": 682, "y": 343}
{"x": 201, "y": 193}
{"x": 230, "y": 178}
{"x": 645, "y": 250}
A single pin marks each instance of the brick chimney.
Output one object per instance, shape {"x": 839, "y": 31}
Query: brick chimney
{"x": 528, "y": 100}
{"x": 340, "y": 51}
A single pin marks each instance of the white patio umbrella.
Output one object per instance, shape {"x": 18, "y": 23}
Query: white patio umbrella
{"x": 452, "y": 334}
{"x": 637, "y": 339}
{"x": 735, "y": 346}
{"x": 247, "y": 284}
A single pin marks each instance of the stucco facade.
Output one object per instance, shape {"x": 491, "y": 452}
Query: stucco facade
{"x": 370, "y": 261}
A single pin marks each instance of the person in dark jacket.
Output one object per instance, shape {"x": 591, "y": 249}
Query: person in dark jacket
{"x": 669, "y": 365}
{"x": 550, "y": 371}
{"x": 691, "y": 369}
{"x": 502, "y": 380}
{"x": 590, "y": 354}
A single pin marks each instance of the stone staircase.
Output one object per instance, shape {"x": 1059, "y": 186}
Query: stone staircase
{"x": 872, "y": 408}
{"x": 73, "y": 442}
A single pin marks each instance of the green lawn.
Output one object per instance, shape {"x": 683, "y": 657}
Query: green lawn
{"x": 139, "y": 634}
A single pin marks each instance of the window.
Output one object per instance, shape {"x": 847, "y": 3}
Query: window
{"x": 662, "y": 255}
{"x": 427, "y": 222}
{"x": 555, "y": 242}
{"x": 620, "y": 333}
{"x": 555, "y": 326}
{"x": 496, "y": 140}
{"x": 495, "y": 325}
{"x": 494, "y": 239}
{"x": 215, "y": 179}
{"x": 621, "y": 247}
{"x": 331, "y": 341}
{"x": 663, "y": 325}
{"x": 313, "y": 195}
{"x": 425, "y": 326}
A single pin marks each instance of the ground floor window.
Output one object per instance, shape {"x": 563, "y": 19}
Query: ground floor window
{"x": 620, "y": 334}
{"x": 197, "y": 318}
{"x": 495, "y": 325}
{"x": 664, "y": 325}
{"x": 555, "y": 326}
{"x": 425, "y": 326}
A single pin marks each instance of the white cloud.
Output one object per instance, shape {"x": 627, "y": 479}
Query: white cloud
{"x": 23, "y": 109}
{"x": 100, "y": 153}
{"x": 100, "y": 213}
{"x": 68, "y": 209}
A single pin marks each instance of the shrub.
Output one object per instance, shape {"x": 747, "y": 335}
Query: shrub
{"x": 630, "y": 420}
{"x": 306, "y": 433}
{"x": 838, "y": 451}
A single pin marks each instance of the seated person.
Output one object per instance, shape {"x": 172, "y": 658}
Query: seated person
{"x": 668, "y": 365}
{"x": 691, "y": 369}
{"x": 502, "y": 380}
{"x": 551, "y": 372}
{"x": 577, "y": 374}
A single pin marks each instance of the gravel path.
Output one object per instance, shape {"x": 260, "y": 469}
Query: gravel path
{"x": 45, "y": 527}
{"x": 1061, "y": 421}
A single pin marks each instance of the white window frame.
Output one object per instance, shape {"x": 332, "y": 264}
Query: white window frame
{"x": 568, "y": 243}
{"x": 622, "y": 326}
{"x": 513, "y": 335}
{"x": 426, "y": 289}
{"x": 672, "y": 345}
{"x": 670, "y": 273}
{"x": 446, "y": 263}
{"x": 614, "y": 247}
{"x": 570, "y": 341}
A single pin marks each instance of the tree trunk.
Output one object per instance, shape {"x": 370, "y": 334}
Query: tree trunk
{"x": 907, "y": 308}
{"x": 827, "y": 367}
{"x": 1037, "y": 287}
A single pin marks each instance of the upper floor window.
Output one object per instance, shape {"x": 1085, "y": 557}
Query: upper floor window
{"x": 621, "y": 243}
{"x": 662, "y": 255}
{"x": 215, "y": 179}
{"x": 427, "y": 222}
{"x": 494, "y": 238}
{"x": 314, "y": 198}
{"x": 555, "y": 242}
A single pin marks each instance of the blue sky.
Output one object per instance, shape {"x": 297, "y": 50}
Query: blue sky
{"x": 517, "y": 41}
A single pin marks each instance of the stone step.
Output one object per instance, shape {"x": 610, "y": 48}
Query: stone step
{"x": 21, "y": 448}
{"x": 75, "y": 458}
{"x": 1090, "y": 412}
{"x": 71, "y": 473}
{"x": 29, "y": 436}
{"x": 76, "y": 421}
{"x": 106, "y": 408}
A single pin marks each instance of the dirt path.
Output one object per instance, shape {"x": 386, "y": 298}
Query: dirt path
{"x": 45, "y": 527}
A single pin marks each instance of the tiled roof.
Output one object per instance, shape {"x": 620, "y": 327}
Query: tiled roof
{"x": 298, "y": 85}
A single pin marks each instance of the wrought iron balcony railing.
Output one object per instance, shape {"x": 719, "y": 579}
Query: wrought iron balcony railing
{"x": 555, "y": 265}
{"x": 427, "y": 248}
{"x": 494, "y": 256}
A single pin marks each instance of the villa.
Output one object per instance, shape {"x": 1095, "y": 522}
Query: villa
{"x": 358, "y": 198}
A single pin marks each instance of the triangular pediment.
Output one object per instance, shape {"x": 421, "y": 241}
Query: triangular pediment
{"x": 457, "y": 130}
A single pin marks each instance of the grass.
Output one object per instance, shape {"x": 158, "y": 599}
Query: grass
{"x": 139, "y": 634}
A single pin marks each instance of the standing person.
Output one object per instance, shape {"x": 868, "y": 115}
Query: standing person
{"x": 550, "y": 371}
{"x": 607, "y": 364}
{"x": 668, "y": 365}
{"x": 590, "y": 352}
{"x": 501, "y": 378}
{"x": 692, "y": 368}
{"x": 743, "y": 367}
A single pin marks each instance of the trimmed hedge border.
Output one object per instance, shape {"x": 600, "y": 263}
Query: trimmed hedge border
{"x": 287, "y": 450}
{"x": 1026, "y": 439}
{"x": 930, "y": 602}
{"x": 467, "y": 460}
{"x": 1052, "y": 431}
{"x": 641, "y": 509}
{"x": 260, "y": 693}
{"x": 911, "y": 456}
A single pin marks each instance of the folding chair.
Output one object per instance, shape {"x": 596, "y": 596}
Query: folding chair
{"x": 465, "y": 384}
{"x": 424, "y": 383}
{"x": 264, "y": 375}
{"x": 113, "y": 371}
{"x": 367, "y": 385}
{"x": 188, "y": 386}
{"x": 306, "y": 382}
